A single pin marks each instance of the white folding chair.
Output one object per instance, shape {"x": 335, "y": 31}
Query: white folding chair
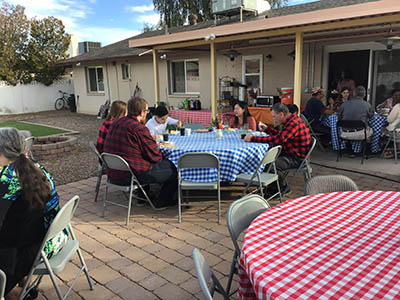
{"x": 238, "y": 218}
{"x": 101, "y": 169}
{"x": 29, "y": 141}
{"x": 201, "y": 160}
{"x": 116, "y": 162}
{"x": 263, "y": 179}
{"x": 205, "y": 275}
{"x": 393, "y": 136}
{"x": 304, "y": 166}
{"x": 56, "y": 264}
{"x": 2, "y": 284}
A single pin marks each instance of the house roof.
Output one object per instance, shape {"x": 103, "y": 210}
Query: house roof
{"x": 275, "y": 25}
{"x": 122, "y": 48}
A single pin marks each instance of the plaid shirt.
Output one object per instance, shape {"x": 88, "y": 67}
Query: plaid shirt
{"x": 294, "y": 137}
{"x": 101, "y": 139}
{"x": 132, "y": 141}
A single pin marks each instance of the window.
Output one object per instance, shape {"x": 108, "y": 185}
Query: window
{"x": 95, "y": 79}
{"x": 126, "y": 71}
{"x": 252, "y": 71}
{"x": 184, "y": 76}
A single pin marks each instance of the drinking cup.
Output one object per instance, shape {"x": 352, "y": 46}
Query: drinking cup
{"x": 188, "y": 131}
{"x": 182, "y": 130}
{"x": 165, "y": 137}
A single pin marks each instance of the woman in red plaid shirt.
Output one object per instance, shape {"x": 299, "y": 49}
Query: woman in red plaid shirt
{"x": 293, "y": 136}
{"x": 117, "y": 110}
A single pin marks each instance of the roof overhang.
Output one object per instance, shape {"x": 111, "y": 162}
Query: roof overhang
{"x": 356, "y": 16}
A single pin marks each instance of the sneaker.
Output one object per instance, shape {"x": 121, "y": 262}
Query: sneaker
{"x": 286, "y": 191}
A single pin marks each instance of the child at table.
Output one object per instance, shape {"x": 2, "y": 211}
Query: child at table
{"x": 158, "y": 123}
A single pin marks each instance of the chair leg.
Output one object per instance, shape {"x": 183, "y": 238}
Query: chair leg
{"x": 52, "y": 276}
{"x": 395, "y": 148}
{"x": 98, "y": 184}
{"x": 104, "y": 200}
{"x": 179, "y": 204}
{"x": 219, "y": 204}
{"x": 129, "y": 205}
{"x": 231, "y": 272}
{"x": 279, "y": 191}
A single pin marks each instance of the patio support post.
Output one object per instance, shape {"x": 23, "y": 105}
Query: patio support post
{"x": 156, "y": 78}
{"x": 213, "y": 54}
{"x": 298, "y": 68}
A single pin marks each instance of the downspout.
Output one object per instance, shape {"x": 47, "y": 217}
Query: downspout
{"x": 313, "y": 66}
{"x": 108, "y": 83}
{"x": 116, "y": 77}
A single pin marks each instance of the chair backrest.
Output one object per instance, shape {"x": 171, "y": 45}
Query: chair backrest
{"x": 329, "y": 184}
{"x": 202, "y": 160}
{"x": 92, "y": 146}
{"x": 194, "y": 126}
{"x": 351, "y": 124}
{"x": 29, "y": 141}
{"x": 241, "y": 213}
{"x": 305, "y": 120}
{"x": 63, "y": 218}
{"x": 2, "y": 284}
{"x": 271, "y": 155}
{"x": 204, "y": 274}
{"x": 313, "y": 143}
{"x": 116, "y": 162}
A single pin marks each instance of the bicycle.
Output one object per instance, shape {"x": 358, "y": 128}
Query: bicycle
{"x": 62, "y": 101}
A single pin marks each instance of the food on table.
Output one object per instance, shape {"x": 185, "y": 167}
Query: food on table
{"x": 167, "y": 144}
{"x": 202, "y": 130}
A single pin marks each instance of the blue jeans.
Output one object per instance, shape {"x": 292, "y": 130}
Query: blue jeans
{"x": 163, "y": 172}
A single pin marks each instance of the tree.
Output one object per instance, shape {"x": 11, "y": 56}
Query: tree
{"x": 30, "y": 48}
{"x": 175, "y": 12}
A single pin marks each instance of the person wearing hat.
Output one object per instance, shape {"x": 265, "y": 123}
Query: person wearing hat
{"x": 314, "y": 111}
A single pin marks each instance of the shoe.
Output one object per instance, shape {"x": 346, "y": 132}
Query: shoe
{"x": 350, "y": 155}
{"x": 286, "y": 191}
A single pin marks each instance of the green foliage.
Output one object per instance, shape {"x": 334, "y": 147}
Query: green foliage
{"x": 29, "y": 48}
{"x": 176, "y": 12}
{"x": 36, "y": 130}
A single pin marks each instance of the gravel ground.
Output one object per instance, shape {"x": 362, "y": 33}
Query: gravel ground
{"x": 71, "y": 167}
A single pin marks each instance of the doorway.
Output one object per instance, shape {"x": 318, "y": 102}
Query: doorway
{"x": 356, "y": 63}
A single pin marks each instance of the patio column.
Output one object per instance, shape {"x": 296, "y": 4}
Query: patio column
{"x": 298, "y": 68}
{"x": 156, "y": 78}
{"x": 213, "y": 55}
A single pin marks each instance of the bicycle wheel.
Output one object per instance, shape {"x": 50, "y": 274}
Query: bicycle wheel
{"x": 59, "y": 104}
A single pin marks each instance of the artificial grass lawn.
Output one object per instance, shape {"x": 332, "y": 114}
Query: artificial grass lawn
{"x": 36, "y": 130}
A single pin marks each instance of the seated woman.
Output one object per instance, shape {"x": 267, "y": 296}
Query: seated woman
{"x": 390, "y": 102}
{"x": 393, "y": 120}
{"x": 340, "y": 99}
{"x": 28, "y": 204}
{"x": 242, "y": 117}
{"x": 159, "y": 122}
{"x": 117, "y": 110}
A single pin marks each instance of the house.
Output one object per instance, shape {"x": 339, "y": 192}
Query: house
{"x": 299, "y": 46}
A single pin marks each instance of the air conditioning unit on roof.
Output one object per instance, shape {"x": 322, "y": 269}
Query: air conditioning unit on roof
{"x": 221, "y": 6}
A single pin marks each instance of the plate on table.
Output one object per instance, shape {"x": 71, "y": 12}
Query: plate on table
{"x": 173, "y": 132}
{"x": 167, "y": 144}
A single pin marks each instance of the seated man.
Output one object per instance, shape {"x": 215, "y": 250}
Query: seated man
{"x": 356, "y": 109}
{"x": 294, "y": 137}
{"x": 158, "y": 123}
{"x": 129, "y": 138}
{"x": 314, "y": 111}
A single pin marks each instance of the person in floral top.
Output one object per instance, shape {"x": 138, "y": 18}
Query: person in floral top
{"x": 28, "y": 204}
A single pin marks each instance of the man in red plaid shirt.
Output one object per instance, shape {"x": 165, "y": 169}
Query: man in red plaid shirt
{"x": 294, "y": 137}
{"x": 130, "y": 138}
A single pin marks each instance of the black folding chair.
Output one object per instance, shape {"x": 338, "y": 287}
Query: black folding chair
{"x": 351, "y": 125}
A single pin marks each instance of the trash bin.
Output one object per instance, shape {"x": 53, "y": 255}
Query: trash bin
{"x": 71, "y": 103}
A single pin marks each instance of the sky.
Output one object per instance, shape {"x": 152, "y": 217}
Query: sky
{"x": 105, "y": 21}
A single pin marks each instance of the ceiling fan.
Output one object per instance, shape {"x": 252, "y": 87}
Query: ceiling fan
{"x": 389, "y": 40}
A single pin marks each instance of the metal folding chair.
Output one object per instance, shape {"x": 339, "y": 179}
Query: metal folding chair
{"x": 204, "y": 274}
{"x": 304, "y": 166}
{"x": 200, "y": 160}
{"x": 329, "y": 184}
{"x": 352, "y": 124}
{"x": 2, "y": 284}
{"x": 317, "y": 135}
{"x": 263, "y": 179}
{"x": 29, "y": 141}
{"x": 116, "y": 162}
{"x": 101, "y": 170}
{"x": 56, "y": 264}
{"x": 394, "y": 136}
{"x": 238, "y": 217}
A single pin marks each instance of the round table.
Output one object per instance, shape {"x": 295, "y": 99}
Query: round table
{"x": 343, "y": 245}
{"x": 235, "y": 155}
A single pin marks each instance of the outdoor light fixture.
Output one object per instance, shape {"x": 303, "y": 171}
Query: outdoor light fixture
{"x": 210, "y": 37}
{"x": 78, "y": 64}
{"x": 232, "y": 54}
{"x": 164, "y": 56}
{"x": 268, "y": 57}
{"x": 389, "y": 40}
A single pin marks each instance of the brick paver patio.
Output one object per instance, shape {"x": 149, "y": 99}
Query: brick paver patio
{"x": 151, "y": 258}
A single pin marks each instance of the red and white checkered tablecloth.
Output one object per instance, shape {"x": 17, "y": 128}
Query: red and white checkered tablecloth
{"x": 342, "y": 245}
{"x": 197, "y": 116}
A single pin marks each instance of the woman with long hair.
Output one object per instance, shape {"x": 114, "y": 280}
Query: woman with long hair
{"x": 28, "y": 204}
{"x": 242, "y": 117}
{"x": 342, "y": 97}
{"x": 118, "y": 110}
